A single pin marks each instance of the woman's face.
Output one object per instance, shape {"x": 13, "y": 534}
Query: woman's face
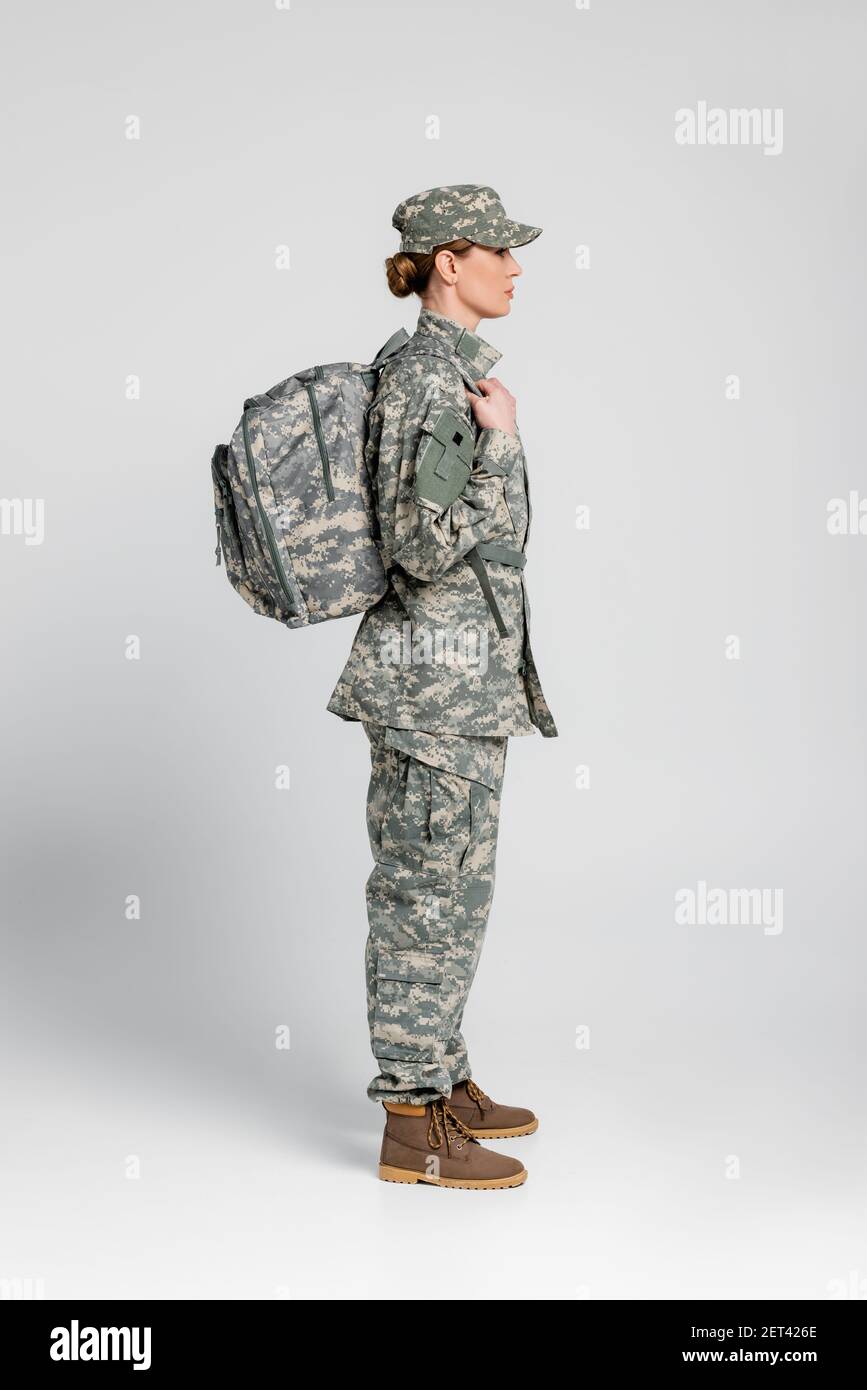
{"x": 485, "y": 280}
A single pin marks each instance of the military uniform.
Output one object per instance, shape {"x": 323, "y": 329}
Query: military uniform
{"x": 441, "y": 671}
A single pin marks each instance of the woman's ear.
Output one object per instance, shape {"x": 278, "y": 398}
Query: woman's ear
{"x": 446, "y": 264}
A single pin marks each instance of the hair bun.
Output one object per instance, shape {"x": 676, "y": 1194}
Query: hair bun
{"x": 402, "y": 274}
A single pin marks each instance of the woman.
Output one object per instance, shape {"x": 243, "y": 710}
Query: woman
{"x": 441, "y": 674}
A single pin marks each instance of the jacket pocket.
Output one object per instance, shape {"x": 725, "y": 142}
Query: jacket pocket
{"x": 407, "y": 1022}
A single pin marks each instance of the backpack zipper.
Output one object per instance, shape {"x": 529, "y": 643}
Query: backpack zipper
{"x": 266, "y": 523}
{"x": 320, "y": 440}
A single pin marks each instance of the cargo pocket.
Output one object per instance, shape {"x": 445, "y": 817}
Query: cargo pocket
{"x": 453, "y": 813}
{"x": 407, "y": 1021}
{"x": 381, "y": 787}
{"x": 406, "y": 815}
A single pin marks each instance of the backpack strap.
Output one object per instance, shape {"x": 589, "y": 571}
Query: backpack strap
{"x": 398, "y": 341}
{"x": 475, "y": 558}
{"x": 394, "y": 344}
{"x": 432, "y": 352}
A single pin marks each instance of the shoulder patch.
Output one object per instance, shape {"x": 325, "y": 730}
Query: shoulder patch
{"x": 445, "y": 457}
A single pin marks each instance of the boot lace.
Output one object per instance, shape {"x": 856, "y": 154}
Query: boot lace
{"x": 482, "y": 1099}
{"x": 444, "y": 1122}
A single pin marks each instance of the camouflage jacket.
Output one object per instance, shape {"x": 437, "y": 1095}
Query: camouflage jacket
{"x": 431, "y": 655}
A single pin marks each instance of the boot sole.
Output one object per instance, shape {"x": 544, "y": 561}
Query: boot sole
{"x": 505, "y": 1133}
{"x": 389, "y": 1174}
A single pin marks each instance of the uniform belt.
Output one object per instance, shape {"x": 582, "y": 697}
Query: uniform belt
{"x": 502, "y": 554}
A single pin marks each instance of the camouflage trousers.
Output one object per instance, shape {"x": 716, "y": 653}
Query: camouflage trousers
{"x": 433, "y": 834}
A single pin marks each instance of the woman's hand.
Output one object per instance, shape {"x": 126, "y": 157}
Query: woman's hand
{"x": 495, "y": 410}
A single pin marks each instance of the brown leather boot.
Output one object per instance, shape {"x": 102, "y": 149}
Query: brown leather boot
{"x": 429, "y": 1143}
{"x": 484, "y": 1118}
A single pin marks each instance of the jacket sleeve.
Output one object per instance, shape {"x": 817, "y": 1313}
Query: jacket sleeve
{"x": 431, "y": 532}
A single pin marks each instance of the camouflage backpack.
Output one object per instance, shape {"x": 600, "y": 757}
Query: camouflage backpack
{"x": 293, "y": 502}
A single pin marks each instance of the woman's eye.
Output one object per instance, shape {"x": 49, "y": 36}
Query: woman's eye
{"x": 502, "y": 251}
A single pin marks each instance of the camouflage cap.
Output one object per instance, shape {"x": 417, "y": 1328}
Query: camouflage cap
{"x": 470, "y": 210}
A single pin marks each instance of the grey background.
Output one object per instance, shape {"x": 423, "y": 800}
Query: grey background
{"x": 156, "y": 777}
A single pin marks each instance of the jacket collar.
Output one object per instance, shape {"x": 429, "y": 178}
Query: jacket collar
{"x": 472, "y": 352}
